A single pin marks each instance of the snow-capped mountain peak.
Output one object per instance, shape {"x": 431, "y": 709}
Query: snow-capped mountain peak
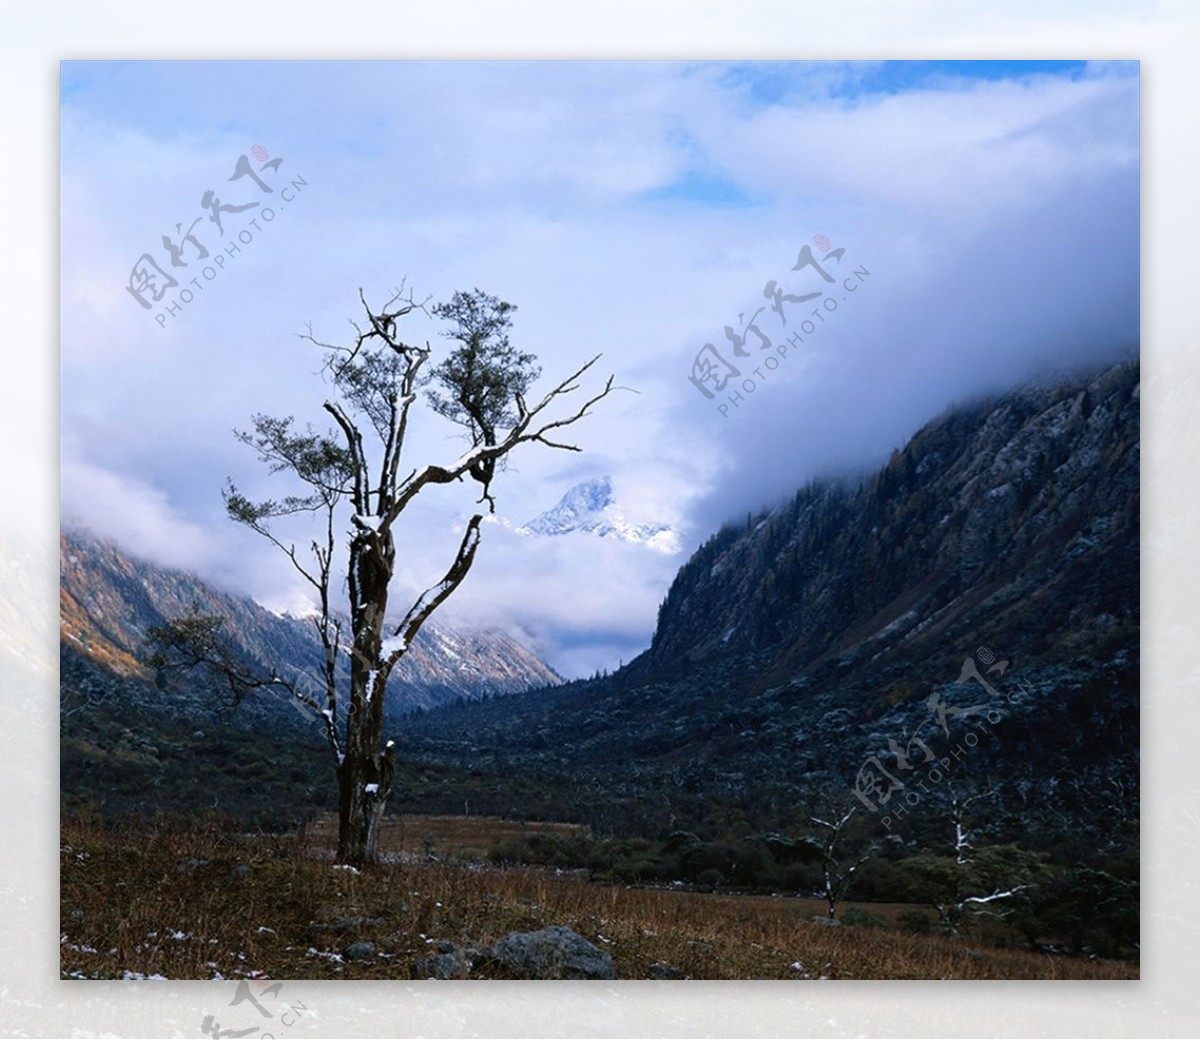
{"x": 591, "y": 508}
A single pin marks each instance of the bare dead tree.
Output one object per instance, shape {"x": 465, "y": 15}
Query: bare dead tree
{"x": 359, "y": 466}
{"x": 960, "y": 814}
{"x": 972, "y": 880}
{"x": 838, "y": 864}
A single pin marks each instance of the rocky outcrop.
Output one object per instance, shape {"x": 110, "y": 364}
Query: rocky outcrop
{"x": 556, "y": 952}
{"x": 1012, "y": 522}
{"x": 552, "y": 953}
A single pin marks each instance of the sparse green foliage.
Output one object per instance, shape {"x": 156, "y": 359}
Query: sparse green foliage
{"x": 484, "y": 379}
{"x": 195, "y": 640}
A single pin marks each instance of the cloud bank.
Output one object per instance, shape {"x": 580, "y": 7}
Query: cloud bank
{"x": 628, "y": 209}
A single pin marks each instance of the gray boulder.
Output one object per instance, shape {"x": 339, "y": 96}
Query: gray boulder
{"x": 359, "y": 951}
{"x": 451, "y": 962}
{"x": 552, "y": 953}
{"x": 443, "y": 966}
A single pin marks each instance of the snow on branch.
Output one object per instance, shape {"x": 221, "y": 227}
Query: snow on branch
{"x": 433, "y": 596}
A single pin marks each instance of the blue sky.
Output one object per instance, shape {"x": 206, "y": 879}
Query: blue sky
{"x": 633, "y": 209}
{"x": 766, "y": 83}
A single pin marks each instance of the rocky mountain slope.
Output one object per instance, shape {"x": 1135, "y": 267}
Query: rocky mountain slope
{"x": 109, "y": 600}
{"x": 1012, "y": 523}
{"x": 135, "y": 741}
{"x": 987, "y": 575}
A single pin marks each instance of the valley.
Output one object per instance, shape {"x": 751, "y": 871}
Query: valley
{"x": 911, "y": 699}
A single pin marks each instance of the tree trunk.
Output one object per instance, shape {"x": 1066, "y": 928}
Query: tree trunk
{"x": 360, "y": 809}
{"x": 365, "y": 773}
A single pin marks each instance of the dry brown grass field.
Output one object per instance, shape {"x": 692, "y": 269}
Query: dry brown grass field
{"x": 196, "y": 901}
{"x": 463, "y": 837}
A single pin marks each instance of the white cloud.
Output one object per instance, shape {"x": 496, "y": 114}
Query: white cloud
{"x": 133, "y": 514}
{"x": 997, "y": 220}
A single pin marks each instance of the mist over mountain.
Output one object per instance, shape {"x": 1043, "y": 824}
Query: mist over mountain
{"x": 999, "y": 546}
{"x": 1013, "y": 523}
{"x": 996, "y": 551}
{"x": 110, "y": 599}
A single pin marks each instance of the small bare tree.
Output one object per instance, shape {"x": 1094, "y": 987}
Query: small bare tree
{"x": 970, "y": 881}
{"x": 481, "y": 385}
{"x": 838, "y": 864}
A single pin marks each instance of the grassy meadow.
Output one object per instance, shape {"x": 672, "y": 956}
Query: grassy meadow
{"x": 193, "y": 899}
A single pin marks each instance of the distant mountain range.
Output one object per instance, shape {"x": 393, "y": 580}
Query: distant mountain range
{"x": 134, "y": 740}
{"x": 109, "y": 599}
{"x": 591, "y": 508}
{"x": 796, "y": 645}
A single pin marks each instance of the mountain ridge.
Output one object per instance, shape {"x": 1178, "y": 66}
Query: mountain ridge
{"x": 816, "y": 635}
{"x": 109, "y": 599}
{"x": 929, "y": 537}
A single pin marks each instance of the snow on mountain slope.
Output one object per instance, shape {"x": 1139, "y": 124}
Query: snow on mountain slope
{"x": 109, "y": 599}
{"x": 591, "y": 508}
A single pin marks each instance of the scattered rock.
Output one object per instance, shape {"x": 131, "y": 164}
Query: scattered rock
{"x": 359, "y": 951}
{"x": 658, "y": 970}
{"x": 556, "y": 952}
{"x": 829, "y": 922}
{"x": 443, "y": 966}
{"x": 452, "y": 962}
{"x": 190, "y": 866}
{"x": 241, "y": 870}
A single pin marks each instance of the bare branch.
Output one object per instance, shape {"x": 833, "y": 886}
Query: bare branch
{"x": 355, "y": 446}
{"x": 996, "y": 895}
{"x": 435, "y": 595}
{"x": 194, "y": 641}
{"x": 383, "y": 328}
{"x": 519, "y": 434}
